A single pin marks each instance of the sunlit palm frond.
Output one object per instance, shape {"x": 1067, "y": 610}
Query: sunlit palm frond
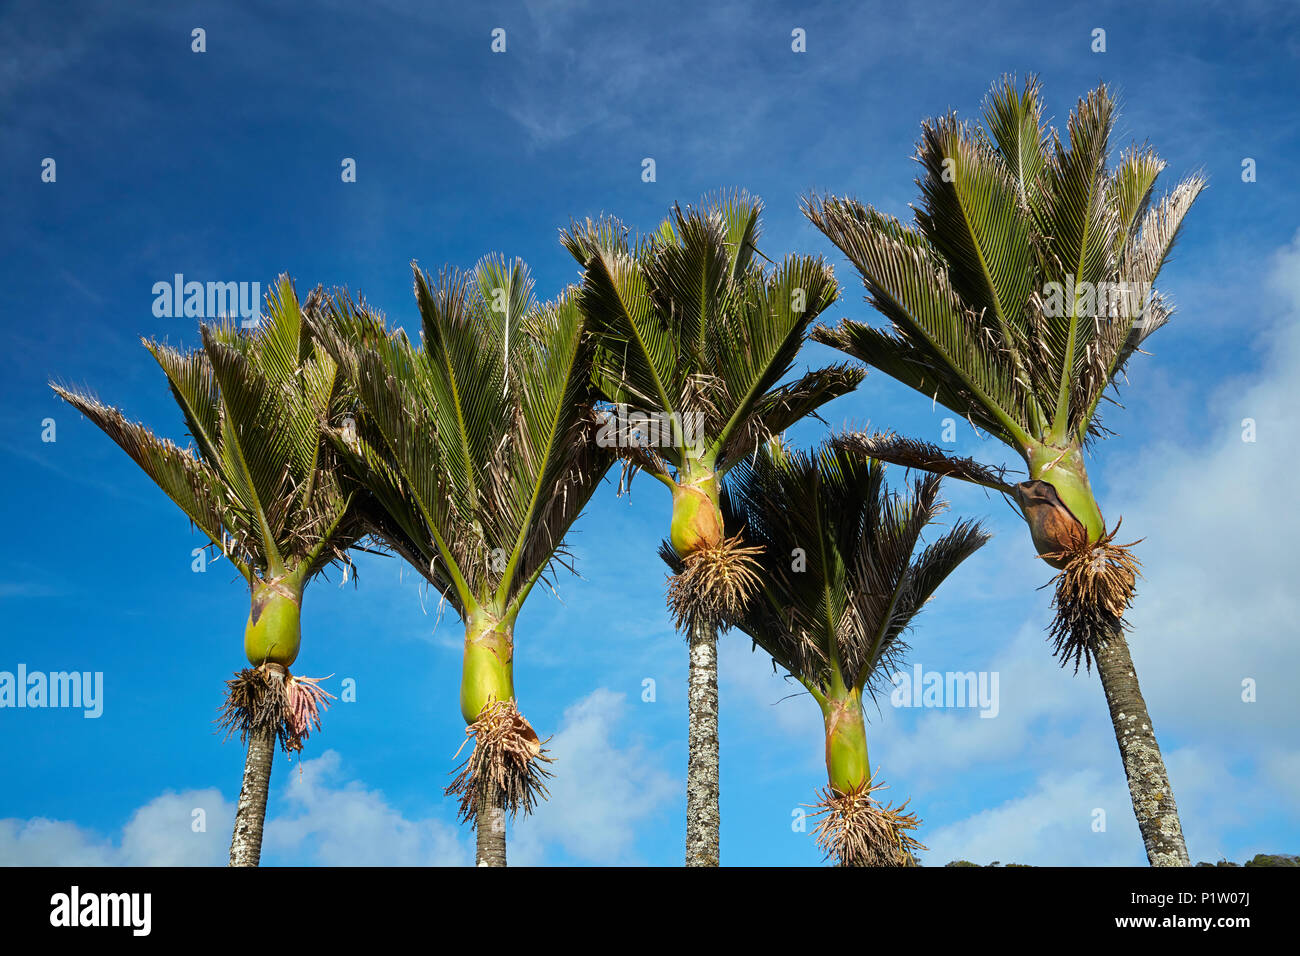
{"x": 1014, "y": 118}
{"x": 934, "y": 330}
{"x": 261, "y": 485}
{"x": 689, "y": 324}
{"x": 189, "y": 374}
{"x": 975, "y": 221}
{"x": 193, "y": 485}
{"x": 637, "y": 362}
{"x": 555, "y": 462}
{"x": 1028, "y": 284}
{"x": 752, "y": 346}
{"x": 461, "y": 371}
{"x": 689, "y": 281}
{"x": 788, "y": 404}
{"x": 475, "y": 455}
{"x": 397, "y": 444}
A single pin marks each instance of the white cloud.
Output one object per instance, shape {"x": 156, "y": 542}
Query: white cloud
{"x": 347, "y": 824}
{"x": 42, "y": 842}
{"x": 1052, "y": 825}
{"x": 160, "y": 833}
{"x": 604, "y": 786}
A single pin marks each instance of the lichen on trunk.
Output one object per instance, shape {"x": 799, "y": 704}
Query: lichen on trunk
{"x": 696, "y": 527}
{"x": 1094, "y": 588}
{"x": 1148, "y": 781}
{"x": 702, "y": 812}
{"x": 490, "y": 832}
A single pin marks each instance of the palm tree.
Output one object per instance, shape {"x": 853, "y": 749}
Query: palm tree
{"x": 476, "y": 448}
{"x": 1015, "y": 301}
{"x": 840, "y": 584}
{"x": 694, "y": 337}
{"x": 260, "y": 482}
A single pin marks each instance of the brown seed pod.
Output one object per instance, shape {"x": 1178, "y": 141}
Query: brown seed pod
{"x": 1054, "y": 527}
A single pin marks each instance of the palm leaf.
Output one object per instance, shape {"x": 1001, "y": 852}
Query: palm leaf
{"x": 1007, "y": 216}
{"x": 637, "y": 363}
{"x": 923, "y": 456}
{"x": 840, "y": 581}
{"x": 191, "y": 484}
{"x": 907, "y": 281}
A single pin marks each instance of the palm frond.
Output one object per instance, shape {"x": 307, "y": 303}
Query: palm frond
{"x": 1078, "y": 227}
{"x": 924, "y": 456}
{"x": 261, "y": 481}
{"x": 974, "y": 219}
{"x": 840, "y": 582}
{"x": 908, "y": 281}
{"x": 753, "y": 345}
{"x": 556, "y": 462}
{"x": 782, "y": 407}
{"x": 687, "y": 324}
{"x": 193, "y": 485}
{"x": 1028, "y": 283}
{"x": 637, "y": 363}
{"x": 475, "y": 457}
{"x": 1015, "y": 122}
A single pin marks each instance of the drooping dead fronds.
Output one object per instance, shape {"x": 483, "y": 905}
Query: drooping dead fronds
{"x": 859, "y": 830}
{"x": 1093, "y": 590}
{"x": 714, "y": 584}
{"x": 505, "y": 765}
{"x": 269, "y": 698}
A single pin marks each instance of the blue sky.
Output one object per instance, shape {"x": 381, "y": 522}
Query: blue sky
{"x": 225, "y": 166}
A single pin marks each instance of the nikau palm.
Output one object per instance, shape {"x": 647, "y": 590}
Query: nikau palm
{"x": 1016, "y": 300}
{"x": 476, "y": 450}
{"x": 260, "y": 482}
{"x": 694, "y": 337}
{"x": 840, "y": 584}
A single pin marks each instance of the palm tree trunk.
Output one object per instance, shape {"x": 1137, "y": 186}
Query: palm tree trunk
{"x": 702, "y": 741}
{"x": 250, "y": 812}
{"x": 491, "y": 832}
{"x": 1148, "y": 782}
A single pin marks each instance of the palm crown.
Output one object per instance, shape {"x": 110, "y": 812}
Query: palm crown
{"x": 1026, "y": 283}
{"x": 841, "y": 579}
{"x": 475, "y": 441}
{"x": 690, "y": 325}
{"x": 259, "y": 479}
{"x": 841, "y": 584}
{"x": 476, "y": 444}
